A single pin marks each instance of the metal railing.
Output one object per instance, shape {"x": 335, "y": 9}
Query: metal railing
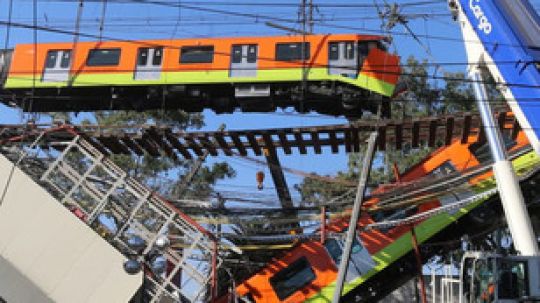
{"x": 133, "y": 219}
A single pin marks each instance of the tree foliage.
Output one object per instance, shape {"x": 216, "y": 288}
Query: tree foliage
{"x": 163, "y": 174}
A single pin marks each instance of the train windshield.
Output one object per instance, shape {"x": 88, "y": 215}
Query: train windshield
{"x": 292, "y": 278}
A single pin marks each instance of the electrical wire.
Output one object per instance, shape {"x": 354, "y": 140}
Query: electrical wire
{"x": 8, "y": 27}
{"x": 269, "y": 18}
{"x": 346, "y": 5}
{"x": 102, "y": 20}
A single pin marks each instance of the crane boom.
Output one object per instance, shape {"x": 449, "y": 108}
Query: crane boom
{"x": 503, "y": 34}
{"x": 499, "y": 35}
{"x": 496, "y": 35}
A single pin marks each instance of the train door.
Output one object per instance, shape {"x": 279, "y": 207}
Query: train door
{"x": 149, "y": 63}
{"x": 343, "y": 59}
{"x": 57, "y": 65}
{"x": 244, "y": 60}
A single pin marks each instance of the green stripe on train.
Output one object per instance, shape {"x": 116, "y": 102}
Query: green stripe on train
{"x": 207, "y": 77}
{"x": 424, "y": 231}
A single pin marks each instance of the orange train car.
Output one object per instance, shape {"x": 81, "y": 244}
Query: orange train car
{"x": 382, "y": 258}
{"x": 339, "y": 74}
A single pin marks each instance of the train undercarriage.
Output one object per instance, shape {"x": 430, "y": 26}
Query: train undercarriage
{"x": 329, "y": 98}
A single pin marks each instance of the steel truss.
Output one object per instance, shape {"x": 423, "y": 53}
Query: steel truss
{"x": 91, "y": 186}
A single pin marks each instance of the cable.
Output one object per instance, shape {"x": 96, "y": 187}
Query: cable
{"x": 432, "y": 212}
{"x": 8, "y": 28}
{"x": 257, "y": 17}
{"x": 263, "y": 4}
{"x": 179, "y": 18}
{"x": 313, "y": 65}
{"x": 296, "y": 172}
{"x": 80, "y": 9}
{"x": 102, "y": 20}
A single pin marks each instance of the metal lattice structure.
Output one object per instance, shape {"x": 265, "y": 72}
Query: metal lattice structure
{"x": 93, "y": 187}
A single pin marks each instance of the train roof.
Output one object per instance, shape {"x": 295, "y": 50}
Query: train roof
{"x": 240, "y": 39}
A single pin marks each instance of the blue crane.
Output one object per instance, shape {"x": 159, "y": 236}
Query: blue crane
{"x": 500, "y": 38}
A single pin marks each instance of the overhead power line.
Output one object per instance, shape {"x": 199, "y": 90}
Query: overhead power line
{"x": 262, "y": 4}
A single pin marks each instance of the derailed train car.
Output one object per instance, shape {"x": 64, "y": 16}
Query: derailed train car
{"x": 339, "y": 74}
{"x": 383, "y": 258}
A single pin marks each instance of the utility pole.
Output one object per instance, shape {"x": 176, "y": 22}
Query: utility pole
{"x": 310, "y": 17}
{"x": 80, "y": 9}
{"x": 355, "y": 215}
{"x": 102, "y": 20}
{"x": 305, "y": 18}
{"x": 302, "y": 15}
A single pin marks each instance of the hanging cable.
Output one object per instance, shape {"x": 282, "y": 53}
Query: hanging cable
{"x": 8, "y": 27}
{"x": 178, "y": 19}
{"x": 102, "y": 20}
{"x": 76, "y": 39}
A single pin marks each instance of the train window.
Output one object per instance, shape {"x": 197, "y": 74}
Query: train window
{"x": 291, "y": 279}
{"x": 103, "y": 57}
{"x": 363, "y": 49}
{"x": 197, "y": 54}
{"x": 333, "y": 51}
{"x": 481, "y": 150}
{"x": 66, "y": 59}
{"x": 292, "y": 51}
{"x": 252, "y": 53}
{"x": 365, "y": 46}
{"x": 444, "y": 169}
{"x": 360, "y": 262}
{"x": 349, "y": 50}
{"x": 142, "y": 57}
{"x": 51, "y": 59}
{"x": 158, "y": 56}
{"x": 237, "y": 54}
{"x": 372, "y": 45}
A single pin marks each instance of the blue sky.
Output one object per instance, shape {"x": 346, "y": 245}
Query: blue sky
{"x": 130, "y": 20}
